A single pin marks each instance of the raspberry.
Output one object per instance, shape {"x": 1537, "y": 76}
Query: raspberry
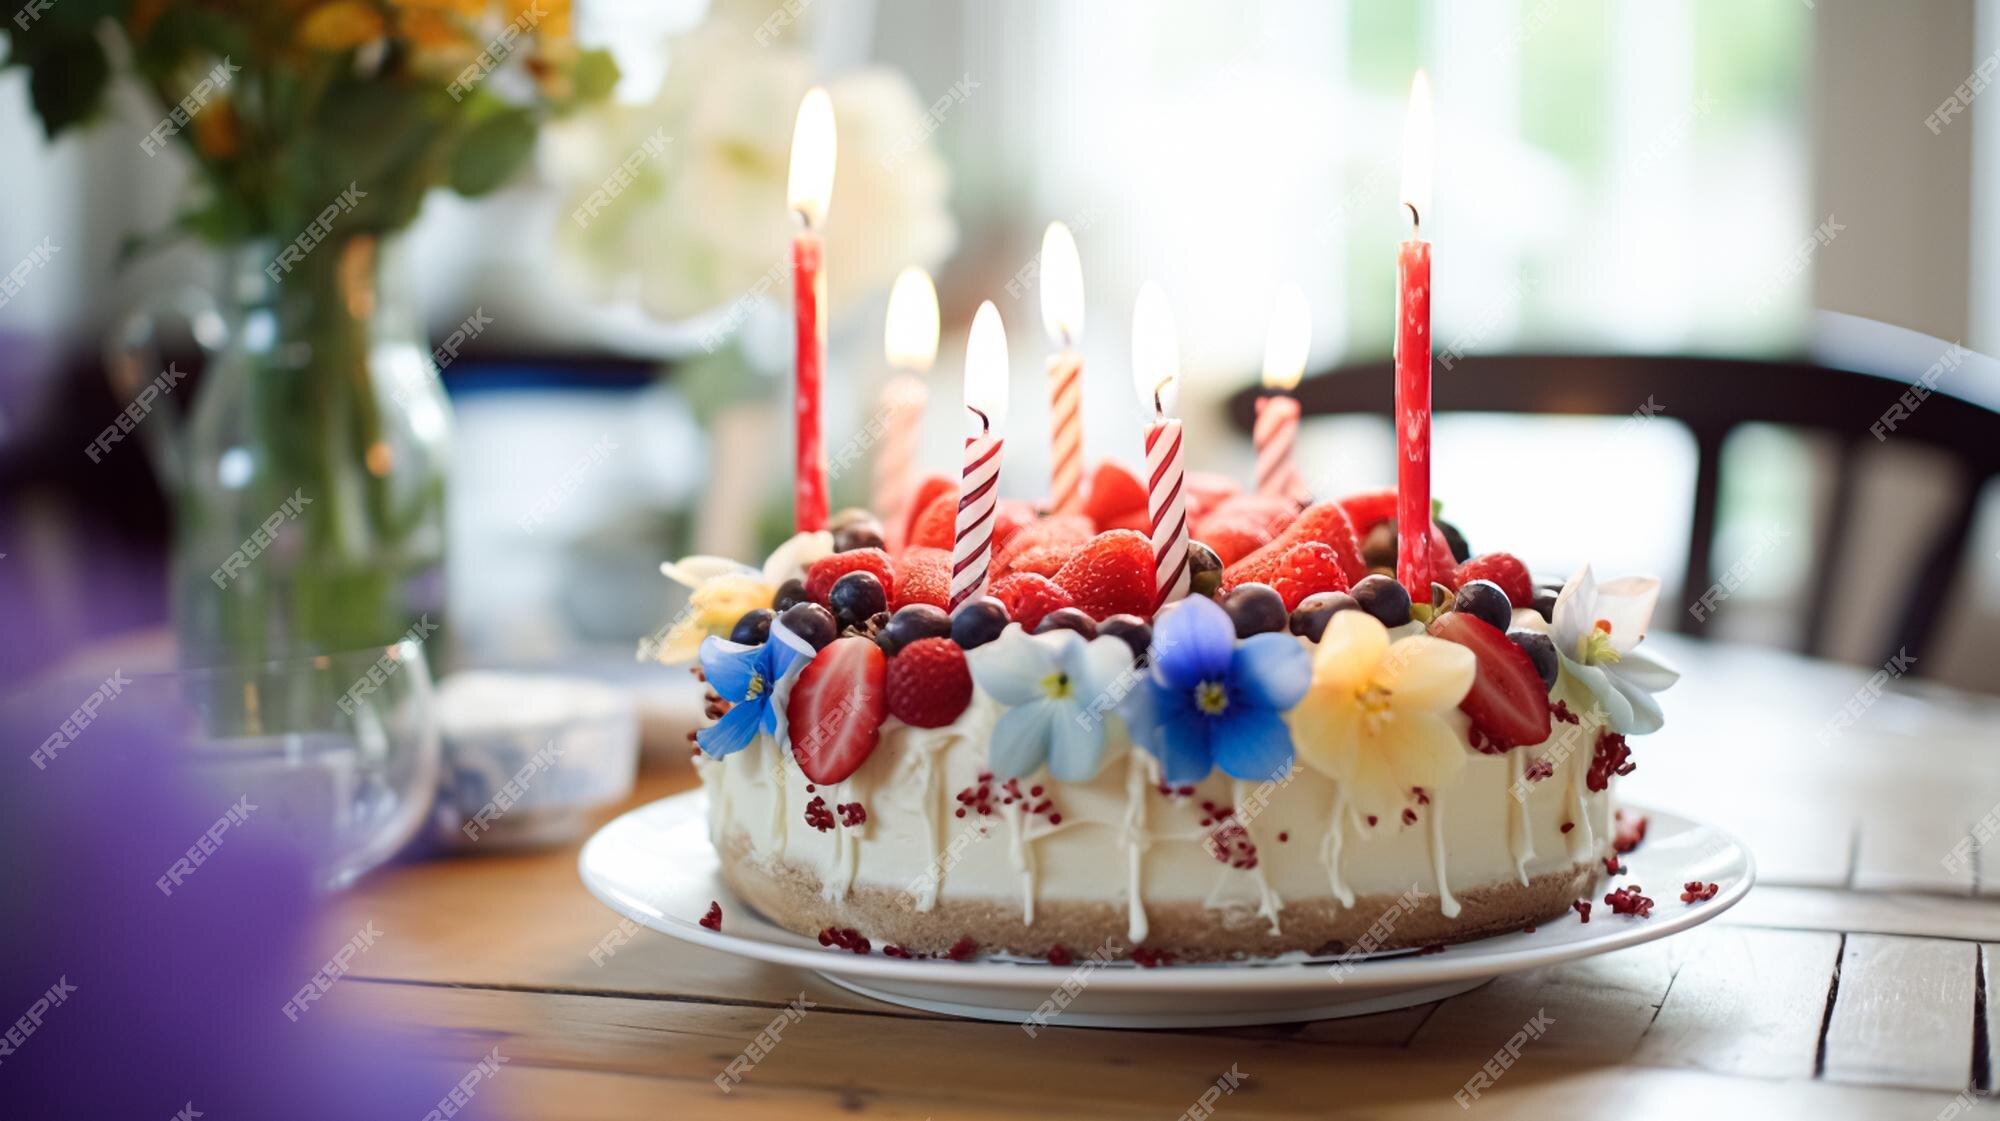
{"x": 929, "y": 683}
{"x": 1231, "y": 538}
{"x": 1504, "y": 569}
{"x": 1043, "y": 560}
{"x": 1010, "y": 517}
{"x": 1111, "y": 575}
{"x": 1029, "y": 597}
{"x": 1323, "y": 522}
{"x": 927, "y": 492}
{"x": 936, "y": 526}
{"x": 1114, "y": 493}
{"x": 827, "y": 569}
{"x": 1207, "y": 490}
{"x": 923, "y": 575}
{"x": 1308, "y": 568}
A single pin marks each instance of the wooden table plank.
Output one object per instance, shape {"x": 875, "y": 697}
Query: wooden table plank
{"x": 1597, "y": 1008}
{"x": 1904, "y": 848}
{"x": 1903, "y": 1015}
{"x": 1848, "y": 912}
{"x": 1745, "y": 1001}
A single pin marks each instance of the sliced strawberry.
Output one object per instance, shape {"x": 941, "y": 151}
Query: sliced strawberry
{"x": 1308, "y": 567}
{"x": 1061, "y": 529}
{"x": 827, "y": 569}
{"x": 1111, "y": 575}
{"x": 1324, "y": 522}
{"x": 1508, "y": 704}
{"x": 1029, "y": 597}
{"x": 923, "y": 575}
{"x": 1114, "y": 493}
{"x": 837, "y": 708}
{"x": 936, "y": 526}
{"x": 929, "y": 683}
{"x": 1365, "y": 511}
{"x": 1504, "y": 569}
{"x": 1010, "y": 517}
{"x": 926, "y": 493}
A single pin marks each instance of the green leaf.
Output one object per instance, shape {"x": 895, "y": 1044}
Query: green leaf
{"x": 68, "y": 81}
{"x": 491, "y": 151}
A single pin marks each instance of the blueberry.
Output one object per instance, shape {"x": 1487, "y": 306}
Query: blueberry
{"x": 1384, "y": 598}
{"x": 979, "y": 622}
{"x": 1483, "y": 600}
{"x": 1068, "y": 619}
{"x": 790, "y": 593}
{"x": 912, "y": 622}
{"x": 1378, "y": 549}
{"x": 754, "y": 627}
{"x": 856, "y": 596}
{"x": 1460, "y": 551}
{"x": 1255, "y": 609}
{"x": 1310, "y": 617}
{"x": 811, "y": 622}
{"x": 1545, "y": 604}
{"x": 860, "y": 535}
{"x": 1204, "y": 570}
{"x": 1541, "y": 650}
{"x": 1136, "y": 633}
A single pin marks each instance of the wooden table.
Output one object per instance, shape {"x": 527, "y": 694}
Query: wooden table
{"x": 1851, "y": 983}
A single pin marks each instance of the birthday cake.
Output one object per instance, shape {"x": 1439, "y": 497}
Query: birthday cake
{"x": 1292, "y": 756}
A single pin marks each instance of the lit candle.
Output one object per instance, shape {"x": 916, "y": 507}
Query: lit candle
{"x": 1286, "y": 343}
{"x": 1062, "y": 315}
{"x": 811, "y": 184}
{"x": 979, "y": 486}
{"x": 910, "y": 340}
{"x": 1156, "y": 372}
{"x": 1413, "y": 354}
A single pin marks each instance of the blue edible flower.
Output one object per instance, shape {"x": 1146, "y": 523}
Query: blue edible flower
{"x": 746, "y": 677}
{"x": 1210, "y": 701}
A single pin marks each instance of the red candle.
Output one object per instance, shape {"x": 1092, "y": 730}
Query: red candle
{"x": 1156, "y": 374}
{"x": 1413, "y": 356}
{"x": 811, "y": 182}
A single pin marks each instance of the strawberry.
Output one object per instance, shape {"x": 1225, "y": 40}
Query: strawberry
{"x": 1271, "y": 514}
{"x": 929, "y": 683}
{"x": 1136, "y": 520}
{"x": 936, "y": 526}
{"x": 1508, "y": 704}
{"x": 927, "y": 492}
{"x": 1111, "y": 575}
{"x": 1043, "y": 560}
{"x": 1207, "y": 490}
{"x": 1231, "y": 539}
{"x": 1243, "y": 524}
{"x": 827, "y": 569}
{"x": 1010, "y": 517}
{"x": 1364, "y": 511}
{"x": 1504, "y": 569}
{"x": 1114, "y": 493}
{"x": 1062, "y": 529}
{"x": 923, "y": 575}
{"x": 1323, "y": 522}
{"x": 1308, "y": 567}
{"x": 1444, "y": 563}
{"x": 1029, "y": 597}
{"x": 837, "y": 709}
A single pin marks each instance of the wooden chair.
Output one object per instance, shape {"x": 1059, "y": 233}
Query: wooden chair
{"x": 1847, "y": 385}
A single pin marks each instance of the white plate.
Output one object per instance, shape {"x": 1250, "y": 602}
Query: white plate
{"x": 655, "y": 866}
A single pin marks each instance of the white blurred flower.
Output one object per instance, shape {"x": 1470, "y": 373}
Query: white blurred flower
{"x": 704, "y": 222}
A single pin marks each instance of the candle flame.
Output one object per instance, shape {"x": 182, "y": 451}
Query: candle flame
{"x": 1062, "y": 285}
{"x": 1419, "y": 149}
{"x": 1288, "y": 339}
{"x": 986, "y": 367}
{"x": 910, "y": 330}
{"x": 811, "y": 183}
{"x": 1156, "y": 351}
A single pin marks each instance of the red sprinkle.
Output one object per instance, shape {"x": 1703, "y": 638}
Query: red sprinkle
{"x": 1582, "y": 908}
{"x": 1568, "y": 825}
{"x": 1529, "y": 929}
{"x": 1371, "y": 821}
{"x": 1560, "y": 711}
{"x": 962, "y": 950}
{"x": 1628, "y": 901}
{"x": 1409, "y": 816}
{"x": 713, "y": 920}
{"x": 1151, "y": 959}
{"x": 1611, "y": 757}
{"x": 1694, "y": 891}
{"x": 1058, "y": 955}
{"x": 1231, "y": 844}
{"x": 1283, "y": 837}
{"x": 818, "y": 816}
{"x": 1612, "y": 867}
{"x": 852, "y": 814}
{"x": 894, "y": 951}
{"x": 1539, "y": 769}
{"x": 845, "y": 938}
{"x": 1630, "y": 829}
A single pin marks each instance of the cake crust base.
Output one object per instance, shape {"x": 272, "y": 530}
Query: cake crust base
{"x": 790, "y": 895}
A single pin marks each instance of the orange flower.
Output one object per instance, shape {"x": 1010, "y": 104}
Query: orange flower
{"x": 340, "y": 26}
{"x": 216, "y": 132}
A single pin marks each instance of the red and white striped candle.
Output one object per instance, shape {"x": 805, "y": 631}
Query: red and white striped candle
{"x": 1276, "y": 428}
{"x": 1413, "y": 355}
{"x": 1062, "y": 315}
{"x": 1156, "y": 375}
{"x": 808, "y": 189}
{"x": 909, "y": 341}
{"x": 979, "y": 484}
